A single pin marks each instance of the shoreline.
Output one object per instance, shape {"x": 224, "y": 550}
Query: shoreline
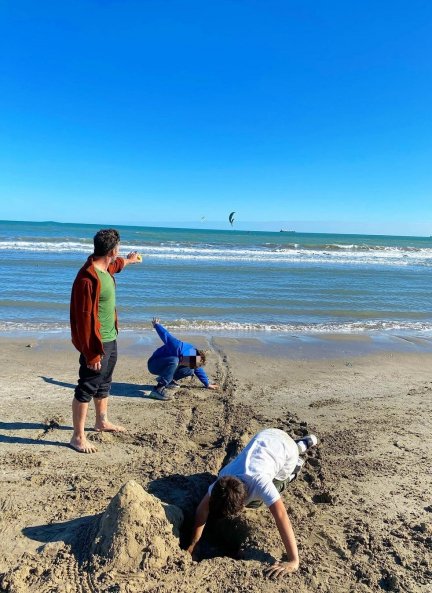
{"x": 140, "y": 343}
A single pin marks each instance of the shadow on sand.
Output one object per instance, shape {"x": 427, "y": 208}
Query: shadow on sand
{"x": 32, "y": 426}
{"x": 27, "y": 441}
{"x": 76, "y": 533}
{"x": 117, "y": 389}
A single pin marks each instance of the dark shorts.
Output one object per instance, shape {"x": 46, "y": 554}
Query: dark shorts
{"x": 280, "y": 487}
{"x": 96, "y": 383}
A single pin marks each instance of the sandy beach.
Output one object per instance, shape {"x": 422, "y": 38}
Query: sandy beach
{"x": 361, "y": 508}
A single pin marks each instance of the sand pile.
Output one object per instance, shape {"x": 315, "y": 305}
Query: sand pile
{"x": 135, "y": 536}
{"x": 137, "y": 531}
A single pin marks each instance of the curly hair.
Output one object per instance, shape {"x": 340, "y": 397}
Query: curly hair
{"x": 203, "y": 355}
{"x": 105, "y": 241}
{"x": 227, "y": 497}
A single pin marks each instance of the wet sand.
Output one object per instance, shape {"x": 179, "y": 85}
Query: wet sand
{"x": 361, "y": 509}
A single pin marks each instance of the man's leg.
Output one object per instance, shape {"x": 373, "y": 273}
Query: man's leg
{"x": 102, "y": 424}
{"x": 101, "y": 397}
{"x": 79, "y": 440}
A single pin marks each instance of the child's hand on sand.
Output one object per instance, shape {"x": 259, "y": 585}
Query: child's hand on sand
{"x": 213, "y": 386}
{"x": 192, "y": 551}
{"x": 279, "y": 569}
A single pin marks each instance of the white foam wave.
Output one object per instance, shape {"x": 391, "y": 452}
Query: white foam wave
{"x": 335, "y": 327}
{"x": 346, "y": 254}
{"x": 46, "y": 246}
{"x": 247, "y": 327}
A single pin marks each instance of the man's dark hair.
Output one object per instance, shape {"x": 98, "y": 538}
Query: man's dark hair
{"x": 105, "y": 241}
{"x": 202, "y": 354}
{"x": 227, "y": 498}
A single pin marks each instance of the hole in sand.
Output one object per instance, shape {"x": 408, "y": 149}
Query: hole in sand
{"x": 323, "y": 498}
{"x": 224, "y": 537}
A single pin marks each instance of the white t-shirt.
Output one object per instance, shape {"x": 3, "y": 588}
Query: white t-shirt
{"x": 271, "y": 454}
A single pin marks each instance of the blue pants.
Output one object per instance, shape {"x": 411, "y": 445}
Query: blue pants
{"x": 168, "y": 369}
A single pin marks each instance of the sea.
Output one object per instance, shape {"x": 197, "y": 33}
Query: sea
{"x": 224, "y": 281}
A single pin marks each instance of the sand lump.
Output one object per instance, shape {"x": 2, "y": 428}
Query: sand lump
{"x": 136, "y": 536}
{"x": 137, "y": 531}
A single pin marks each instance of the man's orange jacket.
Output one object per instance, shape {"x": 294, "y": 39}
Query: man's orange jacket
{"x": 84, "y": 306}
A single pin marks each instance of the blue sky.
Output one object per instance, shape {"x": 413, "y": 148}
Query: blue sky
{"x": 305, "y": 115}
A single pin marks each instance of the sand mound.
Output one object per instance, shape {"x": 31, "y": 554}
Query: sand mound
{"x": 137, "y": 531}
{"x": 135, "y": 536}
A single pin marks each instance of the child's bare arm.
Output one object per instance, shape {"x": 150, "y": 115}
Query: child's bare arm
{"x": 201, "y": 516}
{"x": 284, "y": 526}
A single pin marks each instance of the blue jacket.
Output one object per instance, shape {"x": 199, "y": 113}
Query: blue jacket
{"x": 174, "y": 347}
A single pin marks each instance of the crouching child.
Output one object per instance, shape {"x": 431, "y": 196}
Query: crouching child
{"x": 258, "y": 475}
{"x": 174, "y": 361}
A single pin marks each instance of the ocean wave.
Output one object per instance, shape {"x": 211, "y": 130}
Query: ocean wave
{"x": 330, "y": 327}
{"x": 46, "y": 246}
{"x": 292, "y": 253}
{"x": 341, "y": 247}
{"x": 207, "y": 326}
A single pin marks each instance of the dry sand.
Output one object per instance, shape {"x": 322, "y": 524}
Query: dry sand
{"x": 361, "y": 509}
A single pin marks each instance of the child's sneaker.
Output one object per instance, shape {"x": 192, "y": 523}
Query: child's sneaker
{"x": 297, "y": 469}
{"x": 306, "y": 443}
{"x": 173, "y": 385}
{"x": 160, "y": 393}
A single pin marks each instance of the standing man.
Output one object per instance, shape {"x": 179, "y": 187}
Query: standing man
{"x": 94, "y": 329}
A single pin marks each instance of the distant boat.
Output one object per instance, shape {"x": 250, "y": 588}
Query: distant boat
{"x": 289, "y": 232}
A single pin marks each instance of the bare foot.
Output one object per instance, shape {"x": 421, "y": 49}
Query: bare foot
{"x": 108, "y": 427}
{"x": 82, "y": 445}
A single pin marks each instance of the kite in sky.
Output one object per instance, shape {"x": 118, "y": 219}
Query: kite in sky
{"x": 231, "y": 218}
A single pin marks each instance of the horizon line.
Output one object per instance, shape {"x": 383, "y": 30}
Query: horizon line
{"x": 203, "y": 228}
